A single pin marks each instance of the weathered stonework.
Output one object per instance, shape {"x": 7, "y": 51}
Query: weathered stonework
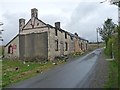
{"x": 38, "y": 39}
{"x": 15, "y": 48}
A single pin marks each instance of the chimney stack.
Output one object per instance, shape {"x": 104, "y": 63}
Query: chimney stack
{"x": 76, "y": 34}
{"x": 21, "y": 24}
{"x": 57, "y": 25}
{"x": 34, "y": 13}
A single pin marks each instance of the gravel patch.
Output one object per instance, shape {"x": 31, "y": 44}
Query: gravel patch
{"x": 100, "y": 74}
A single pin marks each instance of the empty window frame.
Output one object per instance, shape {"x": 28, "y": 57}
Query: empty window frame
{"x": 10, "y": 49}
{"x": 56, "y": 45}
{"x": 81, "y": 46}
{"x": 66, "y": 46}
{"x": 65, "y": 35}
{"x": 56, "y": 32}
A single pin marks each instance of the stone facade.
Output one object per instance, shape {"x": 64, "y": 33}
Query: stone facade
{"x": 33, "y": 46}
{"x": 11, "y": 50}
{"x": 38, "y": 39}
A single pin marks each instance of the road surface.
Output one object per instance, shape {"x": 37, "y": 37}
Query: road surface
{"x": 74, "y": 74}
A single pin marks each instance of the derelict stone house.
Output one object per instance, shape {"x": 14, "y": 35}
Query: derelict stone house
{"x": 37, "y": 39}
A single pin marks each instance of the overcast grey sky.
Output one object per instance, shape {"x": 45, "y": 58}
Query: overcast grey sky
{"x": 81, "y": 16}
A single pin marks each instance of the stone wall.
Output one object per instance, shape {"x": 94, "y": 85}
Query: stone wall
{"x": 13, "y": 45}
{"x": 34, "y": 30}
{"x": 39, "y": 40}
{"x": 52, "y": 53}
{"x": 34, "y": 45}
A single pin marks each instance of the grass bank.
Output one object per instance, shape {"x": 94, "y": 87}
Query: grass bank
{"x": 110, "y": 51}
{"x": 0, "y": 73}
{"x": 113, "y": 75}
{"x": 16, "y": 70}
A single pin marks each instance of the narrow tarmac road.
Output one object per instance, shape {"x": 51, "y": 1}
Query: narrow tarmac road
{"x": 75, "y": 74}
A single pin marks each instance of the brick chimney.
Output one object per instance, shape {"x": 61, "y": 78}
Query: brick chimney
{"x": 21, "y": 24}
{"x": 57, "y": 25}
{"x": 76, "y": 34}
{"x": 34, "y": 13}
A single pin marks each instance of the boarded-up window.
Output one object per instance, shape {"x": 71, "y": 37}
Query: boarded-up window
{"x": 10, "y": 49}
{"x": 56, "y": 45}
{"x": 66, "y": 46}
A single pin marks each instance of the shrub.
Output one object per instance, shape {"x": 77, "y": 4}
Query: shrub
{"x": 112, "y": 47}
{"x": 109, "y": 48}
{"x": 115, "y": 47}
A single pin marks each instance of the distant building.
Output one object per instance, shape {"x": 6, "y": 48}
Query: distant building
{"x": 37, "y": 39}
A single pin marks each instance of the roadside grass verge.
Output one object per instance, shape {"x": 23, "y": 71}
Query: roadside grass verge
{"x": 0, "y": 73}
{"x": 113, "y": 65}
{"x": 113, "y": 75}
{"x": 0, "y": 50}
{"x": 16, "y": 70}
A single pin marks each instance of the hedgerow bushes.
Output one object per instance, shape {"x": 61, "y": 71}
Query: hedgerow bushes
{"x": 113, "y": 51}
{"x": 112, "y": 47}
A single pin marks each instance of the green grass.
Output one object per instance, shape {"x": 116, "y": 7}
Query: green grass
{"x": 0, "y": 50}
{"x": 113, "y": 75}
{"x": 11, "y": 75}
{"x": 0, "y": 74}
{"x": 113, "y": 66}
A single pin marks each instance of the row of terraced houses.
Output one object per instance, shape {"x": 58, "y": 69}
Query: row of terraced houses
{"x": 37, "y": 39}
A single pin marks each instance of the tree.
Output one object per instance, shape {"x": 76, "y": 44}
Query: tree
{"x": 107, "y": 30}
{"x": 118, "y": 28}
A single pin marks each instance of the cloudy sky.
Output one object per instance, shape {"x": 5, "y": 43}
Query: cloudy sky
{"x": 81, "y": 16}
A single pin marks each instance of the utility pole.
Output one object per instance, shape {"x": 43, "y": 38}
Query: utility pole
{"x": 119, "y": 33}
{"x": 117, "y": 2}
{"x": 1, "y": 39}
{"x": 119, "y": 13}
{"x": 97, "y": 30}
